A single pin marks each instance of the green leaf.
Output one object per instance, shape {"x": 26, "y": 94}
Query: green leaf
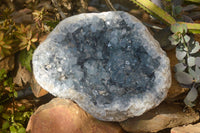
{"x": 191, "y": 97}
{"x": 6, "y": 46}
{"x": 180, "y": 67}
{"x": 195, "y": 1}
{"x": 192, "y": 27}
{"x": 25, "y": 58}
{"x": 13, "y": 129}
{"x": 179, "y": 28}
{"x": 3, "y": 74}
{"x": 5, "y": 116}
{"x": 174, "y": 39}
{"x": 192, "y": 73}
{"x": 197, "y": 61}
{"x": 185, "y": 29}
{"x": 23, "y": 39}
{"x": 18, "y": 118}
{"x": 186, "y": 38}
{"x": 15, "y": 94}
{"x": 1, "y": 36}
{"x": 184, "y": 78}
{"x": 191, "y": 61}
{"x": 180, "y": 54}
{"x": 156, "y": 11}
{"x": 51, "y": 23}
{"x": 21, "y": 108}
{"x": 21, "y": 130}
{"x": 197, "y": 71}
{"x": 5, "y": 83}
{"x": 196, "y": 48}
{"x": 29, "y": 34}
{"x": 178, "y": 9}
{"x": 1, "y": 109}
{"x": 5, "y": 125}
{"x": 27, "y": 114}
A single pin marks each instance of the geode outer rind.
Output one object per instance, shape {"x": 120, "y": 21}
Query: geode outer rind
{"x": 107, "y": 62}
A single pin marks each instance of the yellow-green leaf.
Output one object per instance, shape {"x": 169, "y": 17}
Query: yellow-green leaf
{"x": 6, "y": 46}
{"x": 28, "y": 47}
{"x": 22, "y": 44}
{"x": 5, "y": 116}
{"x": 155, "y": 11}
{"x": 21, "y": 130}
{"x": 1, "y": 106}
{"x": 5, "y": 125}
{"x": 33, "y": 39}
{"x": 15, "y": 94}
{"x": 1, "y": 36}
{"x": 28, "y": 27}
{"x": 177, "y": 27}
{"x": 22, "y": 38}
{"x": 33, "y": 46}
{"x": 2, "y": 42}
{"x": 7, "y": 52}
{"x": 9, "y": 41}
{"x": 192, "y": 27}
{"x": 29, "y": 34}
{"x": 22, "y": 47}
{"x": 25, "y": 58}
{"x": 195, "y": 1}
{"x": 13, "y": 129}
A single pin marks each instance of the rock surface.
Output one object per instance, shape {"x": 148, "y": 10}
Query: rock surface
{"x": 187, "y": 129}
{"x": 64, "y": 116}
{"x": 106, "y": 62}
{"x": 23, "y": 76}
{"x": 162, "y": 117}
{"x": 37, "y": 90}
{"x": 8, "y": 63}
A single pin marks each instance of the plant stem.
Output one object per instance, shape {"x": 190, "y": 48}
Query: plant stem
{"x": 187, "y": 51}
{"x": 55, "y": 3}
{"x": 109, "y": 4}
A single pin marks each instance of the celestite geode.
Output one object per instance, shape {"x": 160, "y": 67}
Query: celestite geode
{"x": 108, "y": 63}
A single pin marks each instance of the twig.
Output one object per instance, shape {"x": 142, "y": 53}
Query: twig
{"x": 109, "y": 4}
{"x": 152, "y": 26}
{"x": 55, "y": 3}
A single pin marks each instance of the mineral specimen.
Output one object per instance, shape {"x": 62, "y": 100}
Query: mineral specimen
{"x": 106, "y": 62}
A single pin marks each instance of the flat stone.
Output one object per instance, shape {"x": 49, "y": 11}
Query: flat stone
{"x": 164, "y": 116}
{"x": 64, "y": 116}
{"x": 37, "y": 90}
{"x": 107, "y": 62}
{"x": 187, "y": 129}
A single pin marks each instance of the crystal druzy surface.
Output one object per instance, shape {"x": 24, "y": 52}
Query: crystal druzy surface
{"x": 108, "y": 63}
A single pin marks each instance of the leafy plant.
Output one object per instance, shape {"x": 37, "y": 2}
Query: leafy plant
{"x": 27, "y": 37}
{"x": 25, "y": 58}
{"x": 164, "y": 16}
{"x": 15, "y": 122}
{"x": 188, "y": 69}
{"x": 15, "y": 118}
{"x": 14, "y": 38}
{"x": 3, "y": 74}
{"x": 22, "y": 39}
{"x": 5, "y": 48}
{"x": 187, "y": 49}
{"x": 7, "y": 43}
{"x": 40, "y": 18}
